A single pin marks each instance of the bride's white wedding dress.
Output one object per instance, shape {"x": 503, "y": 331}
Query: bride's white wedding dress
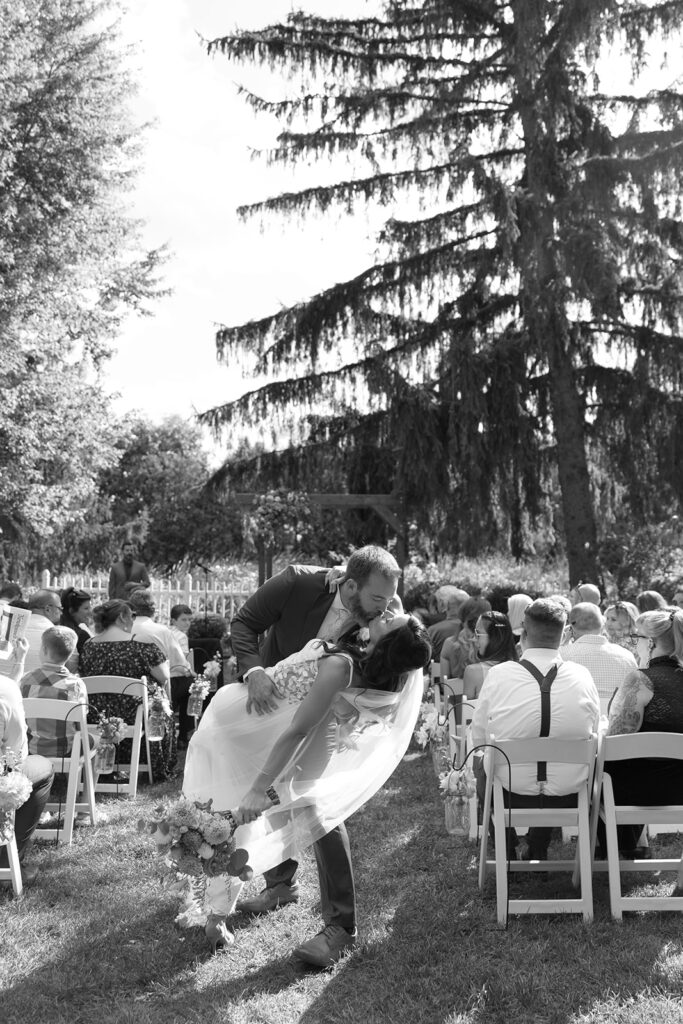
{"x": 335, "y": 770}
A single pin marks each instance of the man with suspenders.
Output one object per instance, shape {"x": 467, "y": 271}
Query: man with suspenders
{"x": 541, "y": 695}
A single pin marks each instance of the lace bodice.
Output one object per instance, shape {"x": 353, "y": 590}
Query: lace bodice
{"x": 295, "y": 675}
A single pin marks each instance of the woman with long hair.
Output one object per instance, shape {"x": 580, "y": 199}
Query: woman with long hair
{"x": 343, "y": 721}
{"x": 77, "y": 614}
{"x": 495, "y": 643}
{"x": 649, "y": 700}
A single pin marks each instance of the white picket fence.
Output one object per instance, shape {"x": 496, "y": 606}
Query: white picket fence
{"x": 222, "y": 598}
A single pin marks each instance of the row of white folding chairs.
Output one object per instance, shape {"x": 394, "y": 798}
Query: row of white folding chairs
{"x": 595, "y": 799}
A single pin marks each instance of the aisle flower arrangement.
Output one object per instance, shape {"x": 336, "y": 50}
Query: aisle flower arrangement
{"x": 429, "y": 727}
{"x": 212, "y": 669}
{"x": 15, "y": 789}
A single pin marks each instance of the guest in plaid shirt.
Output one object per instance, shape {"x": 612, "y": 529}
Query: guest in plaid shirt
{"x": 53, "y": 680}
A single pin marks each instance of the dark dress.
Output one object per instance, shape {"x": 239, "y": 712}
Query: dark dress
{"x": 133, "y": 659}
{"x": 82, "y": 634}
{"x": 650, "y": 781}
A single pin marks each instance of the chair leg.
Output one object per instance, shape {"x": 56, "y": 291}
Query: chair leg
{"x": 12, "y": 873}
{"x": 613, "y": 868}
{"x": 584, "y": 857}
{"x": 72, "y": 791}
{"x": 485, "y": 819}
{"x": 501, "y": 853}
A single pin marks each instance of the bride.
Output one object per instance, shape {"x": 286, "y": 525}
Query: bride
{"x": 343, "y": 721}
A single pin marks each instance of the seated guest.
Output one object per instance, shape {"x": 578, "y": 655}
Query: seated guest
{"x": 52, "y": 680}
{"x": 649, "y": 601}
{"x": 77, "y": 614}
{"x": 586, "y": 593}
{"x": 495, "y": 643}
{"x": 620, "y": 625}
{"x": 517, "y": 605}
{"x": 12, "y": 666}
{"x": 37, "y": 769}
{"x": 46, "y": 611}
{"x": 608, "y": 663}
{"x": 113, "y": 652}
{"x": 510, "y": 707}
{"x": 459, "y": 652}
{"x": 10, "y": 592}
{"x": 450, "y": 626}
{"x": 181, "y": 617}
{"x": 649, "y": 700}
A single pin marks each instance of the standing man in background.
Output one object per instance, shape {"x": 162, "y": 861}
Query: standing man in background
{"x": 128, "y": 570}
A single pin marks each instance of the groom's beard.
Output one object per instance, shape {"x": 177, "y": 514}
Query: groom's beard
{"x": 355, "y": 608}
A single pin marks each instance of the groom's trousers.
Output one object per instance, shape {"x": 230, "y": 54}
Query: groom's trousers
{"x": 335, "y": 874}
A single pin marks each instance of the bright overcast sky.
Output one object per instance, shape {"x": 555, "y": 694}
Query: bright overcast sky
{"x": 197, "y": 170}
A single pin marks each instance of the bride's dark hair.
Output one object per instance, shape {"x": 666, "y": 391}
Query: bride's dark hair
{"x": 398, "y": 652}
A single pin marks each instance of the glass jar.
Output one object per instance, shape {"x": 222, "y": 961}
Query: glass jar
{"x": 457, "y": 812}
{"x": 6, "y": 826}
{"x": 156, "y": 725}
{"x": 195, "y": 705}
{"x": 105, "y": 758}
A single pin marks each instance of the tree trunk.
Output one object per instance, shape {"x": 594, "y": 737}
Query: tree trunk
{"x": 542, "y": 281}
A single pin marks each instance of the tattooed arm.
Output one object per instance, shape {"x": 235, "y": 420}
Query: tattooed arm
{"x": 628, "y": 705}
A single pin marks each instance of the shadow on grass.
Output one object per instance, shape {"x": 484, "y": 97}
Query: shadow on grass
{"x": 98, "y": 945}
{"x": 443, "y": 958}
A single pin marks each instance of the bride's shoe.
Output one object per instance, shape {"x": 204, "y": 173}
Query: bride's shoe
{"x": 219, "y": 932}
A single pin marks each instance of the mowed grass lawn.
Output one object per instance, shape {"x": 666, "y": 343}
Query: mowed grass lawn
{"x": 94, "y": 940}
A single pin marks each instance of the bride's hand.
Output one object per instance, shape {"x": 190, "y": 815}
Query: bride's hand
{"x": 252, "y": 806}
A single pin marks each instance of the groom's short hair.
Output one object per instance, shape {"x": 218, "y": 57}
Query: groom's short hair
{"x": 364, "y": 561}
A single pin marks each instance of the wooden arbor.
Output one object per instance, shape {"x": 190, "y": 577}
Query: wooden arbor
{"x": 389, "y": 507}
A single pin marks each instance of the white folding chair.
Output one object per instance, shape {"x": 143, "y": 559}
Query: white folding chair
{"x": 624, "y": 748}
{"x": 529, "y": 751}
{"x": 77, "y": 764}
{"x": 122, "y": 686}
{"x": 12, "y": 873}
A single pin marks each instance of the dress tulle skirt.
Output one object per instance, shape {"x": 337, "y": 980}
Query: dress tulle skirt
{"x": 335, "y": 770}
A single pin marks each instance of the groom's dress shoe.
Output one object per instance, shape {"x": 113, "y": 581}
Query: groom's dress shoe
{"x": 269, "y": 899}
{"x": 326, "y": 948}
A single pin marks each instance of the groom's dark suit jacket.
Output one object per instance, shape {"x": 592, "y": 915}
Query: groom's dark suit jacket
{"x": 289, "y": 609}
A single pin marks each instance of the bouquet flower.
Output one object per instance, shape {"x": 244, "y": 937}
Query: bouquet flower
{"x": 111, "y": 729}
{"x": 194, "y": 840}
{"x": 159, "y": 704}
{"x": 15, "y": 789}
{"x": 199, "y": 687}
{"x": 212, "y": 670}
{"x": 430, "y": 729}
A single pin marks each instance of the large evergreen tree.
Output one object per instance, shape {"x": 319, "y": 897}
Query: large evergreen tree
{"x": 71, "y": 263}
{"x": 520, "y": 331}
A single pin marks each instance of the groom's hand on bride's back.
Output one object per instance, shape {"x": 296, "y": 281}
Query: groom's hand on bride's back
{"x": 261, "y": 693}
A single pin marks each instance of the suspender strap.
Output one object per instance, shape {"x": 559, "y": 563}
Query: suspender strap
{"x": 544, "y": 683}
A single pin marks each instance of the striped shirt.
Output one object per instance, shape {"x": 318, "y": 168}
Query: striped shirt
{"x": 54, "y": 682}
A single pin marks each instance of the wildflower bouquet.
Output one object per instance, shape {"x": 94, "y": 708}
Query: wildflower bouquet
{"x": 194, "y": 840}
{"x": 212, "y": 669}
{"x": 111, "y": 729}
{"x": 430, "y": 728}
{"x": 159, "y": 704}
{"x": 15, "y": 789}
{"x": 199, "y": 687}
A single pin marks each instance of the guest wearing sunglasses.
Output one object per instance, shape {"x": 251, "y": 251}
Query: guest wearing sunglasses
{"x": 495, "y": 643}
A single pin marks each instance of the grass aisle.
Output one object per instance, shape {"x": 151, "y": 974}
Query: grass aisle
{"x": 95, "y": 942}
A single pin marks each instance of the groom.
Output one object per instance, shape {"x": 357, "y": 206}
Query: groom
{"x": 295, "y": 606}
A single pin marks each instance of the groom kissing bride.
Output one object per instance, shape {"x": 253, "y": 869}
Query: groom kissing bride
{"x": 303, "y": 685}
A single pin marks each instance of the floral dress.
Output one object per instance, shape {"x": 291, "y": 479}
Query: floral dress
{"x": 134, "y": 659}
